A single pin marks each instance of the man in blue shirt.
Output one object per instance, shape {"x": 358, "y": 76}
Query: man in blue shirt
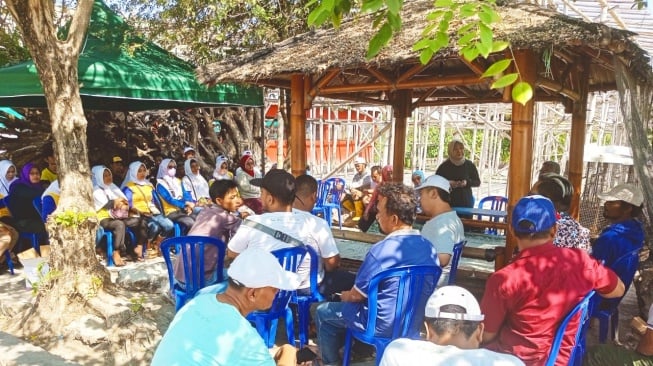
{"x": 212, "y": 329}
{"x": 623, "y": 204}
{"x": 403, "y": 246}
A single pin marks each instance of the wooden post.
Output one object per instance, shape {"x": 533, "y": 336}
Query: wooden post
{"x": 401, "y": 106}
{"x": 577, "y": 145}
{"x": 521, "y": 144}
{"x": 297, "y": 125}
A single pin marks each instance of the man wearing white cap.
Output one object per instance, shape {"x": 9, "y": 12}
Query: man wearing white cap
{"x": 623, "y": 204}
{"x": 189, "y": 152}
{"x": 444, "y": 229}
{"x": 212, "y": 329}
{"x": 454, "y": 330}
{"x": 361, "y": 181}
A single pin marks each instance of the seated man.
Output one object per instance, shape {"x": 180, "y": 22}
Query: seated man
{"x": 549, "y": 167}
{"x": 623, "y": 204}
{"x": 360, "y": 183}
{"x": 525, "y": 301}
{"x": 212, "y": 329}
{"x": 49, "y": 173}
{"x": 610, "y": 354}
{"x": 402, "y": 247}
{"x": 217, "y": 220}
{"x": 454, "y": 329}
{"x": 278, "y": 189}
{"x": 306, "y": 194}
{"x": 444, "y": 229}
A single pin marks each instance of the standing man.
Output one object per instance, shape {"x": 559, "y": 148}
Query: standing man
{"x": 525, "y": 301}
{"x": 454, "y": 329}
{"x": 281, "y": 227}
{"x": 403, "y": 246}
{"x": 212, "y": 329}
{"x": 444, "y": 229}
{"x": 117, "y": 168}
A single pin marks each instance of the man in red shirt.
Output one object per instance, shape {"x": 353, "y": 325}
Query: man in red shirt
{"x": 525, "y": 301}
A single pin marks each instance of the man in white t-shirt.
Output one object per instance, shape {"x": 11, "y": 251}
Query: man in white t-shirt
{"x": 454, "y": 329}
{"x": 444, "y": 229}
{"x": 278, "y": 189}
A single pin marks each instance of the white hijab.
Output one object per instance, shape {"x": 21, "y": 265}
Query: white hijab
{"x": 103, "y": 193}
{"x": 220, "y": 173}
{"x": 172, "y": 184}
{"x": 4, "y": 183}
{"x": 132, "y": 175}
{"x": 195, "y": 183}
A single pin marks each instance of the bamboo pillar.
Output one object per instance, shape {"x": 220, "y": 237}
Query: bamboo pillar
{"x": 401, "y": 106}
{"x": 577, "y": 145}
{"x": 521, "y": 145}
{"x": 297, "y": 125}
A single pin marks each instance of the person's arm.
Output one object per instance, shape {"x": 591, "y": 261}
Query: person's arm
{"x": 444, "y": 259}
{"x": 474, "y": 179}
{"x": 494, "y": 307}
{"x": 331, "y": 263}
{"x": 286, "y": 355}
{"x": 645, "y": 345}
{"x": 165, "y": 194}
{"x": 353, "y": 295}
{"x": 606, "y": 281}
{"x": 130, "y": 196}
{"x": 618, "y": 290}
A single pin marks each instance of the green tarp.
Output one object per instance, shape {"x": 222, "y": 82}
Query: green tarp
{"x": 120, "y": 71}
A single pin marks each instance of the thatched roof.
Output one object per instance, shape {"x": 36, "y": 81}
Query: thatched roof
{"x": 524, "y": 25}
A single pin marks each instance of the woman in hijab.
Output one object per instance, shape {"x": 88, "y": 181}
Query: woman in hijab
{"x": 141, "y": 197}
{"x": 195, "y": 184}
{"x": 114, "y": 214}
{"x": 221, "y": 168}
{"x": 417, "y": 178}
{"x": 7, "y": 176}
{"x": 22, "y": 193}
{"x": 462, "y": 175}
{"x": 251, "y": 194}
{"x": 50, "y": 199}
{"x": 177, "y": 203}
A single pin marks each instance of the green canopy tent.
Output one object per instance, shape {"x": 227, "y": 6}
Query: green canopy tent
{"x": 119, "y": 71}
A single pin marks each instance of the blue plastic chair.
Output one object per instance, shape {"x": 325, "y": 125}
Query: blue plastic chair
{"x": 329, "y": 198}
{"x": 498, "y": 203}
{"x": 266, "y": 321}
{"x": 455, "y": 259}
{"x": 304, "y": 301}
{"x": 179, "y": 229}
{"x": 607, "y": 310}
{"x": 192, "y": 256}
{"x": 109, "y": 238}
{"x": 411, "y": 281}
{"x": 581, "y": 312}
{"x": 10, "y": 263}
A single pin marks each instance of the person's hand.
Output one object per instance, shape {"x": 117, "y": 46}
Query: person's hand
{"x": 453, "y": 183}
{"x": 462, "y": 183}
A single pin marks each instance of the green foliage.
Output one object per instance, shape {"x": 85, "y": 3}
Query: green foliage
{"x": 12, "y": 50}
{"x": 44, "y": 279}
{"x": 136, "y": 304}
{"x": 73, "y": 218}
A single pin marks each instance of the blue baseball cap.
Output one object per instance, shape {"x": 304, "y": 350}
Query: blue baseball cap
{"x": 533, "y": 214}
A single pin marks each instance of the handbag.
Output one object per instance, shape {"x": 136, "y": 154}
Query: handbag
{"x": 119, "y": 213}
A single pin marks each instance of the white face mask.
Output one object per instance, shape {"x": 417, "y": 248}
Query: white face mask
{"x": 172, "y": 172}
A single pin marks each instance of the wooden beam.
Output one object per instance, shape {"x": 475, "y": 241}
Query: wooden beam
{"x": 411, "y": 72}
{"x": 423, "y": 97}
{"x": 404, "y": 85}
{"x": 577, "y": 143}
{"x": 474, "y": 65}
{"x": 323, "y": 81}
{"x": 437, "y": 103}
{"x": 379, "y": 75}
{"x": 361, "y": 148}
{"x": 359, "y": 98}
{"x": 297, "y": 126}
{"x": 521, "y": 143}
{"x": 558, "y": 88}
{"x": 401, "y": 106}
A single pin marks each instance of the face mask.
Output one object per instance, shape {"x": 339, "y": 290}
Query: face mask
{"x": 172, "y": 172}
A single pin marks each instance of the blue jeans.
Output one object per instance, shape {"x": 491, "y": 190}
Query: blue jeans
{"x": 331, "y": 329}
{"x": 159, "y": 225}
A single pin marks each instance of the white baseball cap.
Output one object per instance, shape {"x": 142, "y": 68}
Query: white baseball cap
{"x": 188, "y": 148}
{"x": 453, "y": 295}
{"x": 435, "y": 181}
{"x": 360, "y": 160}
{"x": 624, "y": 192}
{"x": 257, "y": 268}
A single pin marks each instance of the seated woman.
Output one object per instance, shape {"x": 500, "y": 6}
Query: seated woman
{"x": 141, "y": 197}
{"x": 570, "y": 233}
{"x": 370, "y": 211}
{"x": 177, "y": 203}
{"x": 221, "y": 171}
{"x": 251, "y": 194}
{"x": 7, "y": 177}
{"x": 50, "y": 199}
{"x": 195, "y": 184}
{"x": 113, "y": 212}
{"x": 22, "y": 193}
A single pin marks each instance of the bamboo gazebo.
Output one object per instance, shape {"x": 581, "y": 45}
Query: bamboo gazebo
{"x": 563, "y": 58}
